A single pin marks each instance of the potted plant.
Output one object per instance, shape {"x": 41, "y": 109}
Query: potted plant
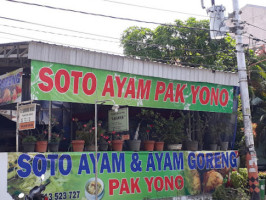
{"x": 42, "y": 136}
{"x": 54, "y": 142}
{"x": 174, "y": 131}
{"x": 213, "y": 136}
{"x": 224, "y": 136}
{"x": 79, "y": 142}
{"x": 104, "y": 142}
{"x": 89, "y": 135}
{"x": 146, "y": 118}
{"x": 146, "y": 136}
{"x": 117, "y": 142}
{"x": 28, "y": 141}
{"x": 56, "y": 137}
{"x": 201, "y": 120}
{"x": 158, "y": 130}
{"x": 134, "y": 145}
{"x": 191, "y": 143}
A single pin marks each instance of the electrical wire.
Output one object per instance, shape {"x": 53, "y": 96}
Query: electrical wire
{"x": 115, "y": 53}
{"x": 152, "y": 8}
{"x": 255, "y": 26}
{"x": 107, "y": 16}
{"x": 64, "y": 29}
{"x": 130, "y": 41}
{"x": 58, "y": 43}
{"x": 61, "y": 34}
{"x": 254, "y": 38}
{"x": 96, "y": 39}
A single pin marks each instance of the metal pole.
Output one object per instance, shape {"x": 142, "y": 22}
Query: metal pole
{"x": 49, "y": 122}
{"x": 17, "y": 147}
{"x": 96, "y": 160}
{"x": 251, "y": 154}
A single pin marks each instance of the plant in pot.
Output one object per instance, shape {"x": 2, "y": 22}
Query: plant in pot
{"x": 158, "y": 128}
{"x": 213, "y": 136}
{"x": 191, "y": 142}
{"x": 117, "y": 142}
{"x": 104, "y": 142}
{"x": 201, "y": 123}
{"x": 134, "y": 144}
{"x": 54, "y": 142}
{"x": 56, "y": 137}
{"x": 174, "y": 131}
{"x": 147, "y": 138}
{"x": 146, "y": 127}
{"x": 79, "y": 142}
{"x": 89, "y": 135}
{"x": 224, "y": 137}
{"x": 42, "y": 136}
{"x": 28, "y": 141}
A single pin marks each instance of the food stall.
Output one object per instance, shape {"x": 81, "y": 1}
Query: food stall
{"x": 73, "y": 80}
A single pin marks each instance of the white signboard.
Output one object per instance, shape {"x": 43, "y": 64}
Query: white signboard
{"x": 118, "y": 121}
{"x": 27, "y": 116}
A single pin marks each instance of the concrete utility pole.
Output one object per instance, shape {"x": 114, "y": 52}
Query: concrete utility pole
{"x": 242, "y": 73}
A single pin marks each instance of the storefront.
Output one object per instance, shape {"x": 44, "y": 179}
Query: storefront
{"x": 68, "y": 84}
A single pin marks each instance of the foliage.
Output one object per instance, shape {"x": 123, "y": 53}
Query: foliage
{"x": 196, "y": 124}
{"x": 116, "y": 136}
{"x": 174, "y": 44}
{"x": 173, "y": 129}
{"x": 239, "y": 179}
{"x": 42, "y": 131}
{"x": 104, "y": 138}
{"x": 148, "y": 126}
{"x": 257, "y": 90}
{"x": 56, "y": 138}
{"x": 237, "y": 189}
{"x": 155, "y": 126}
{"x": 223, "y": 193}
{"x": 262, "y": 175}
{"x": 29, "y": 139}
{"x": 86, "y": 131}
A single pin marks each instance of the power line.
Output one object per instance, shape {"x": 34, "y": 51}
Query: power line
{"x": 58, "y": 43}
{"x": 142, "y": 57}
{"x": 254, "y": 38}
{"x": 255, "y": 26}
{"x": 130, "y": 41}
{"x": 64, "y": 29}
{"x": 32, "y": 23}
{"x": 61, "y": 34}
{"x": 151, "y": 8}
{"x": 67, "y": 35}
{"x": 96, "y": 39}
{"x": 107, "y": 16}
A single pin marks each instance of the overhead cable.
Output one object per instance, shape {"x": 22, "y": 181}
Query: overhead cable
{"x": 115, "y": 53}
{"x": 96, "y": 39}
{"x": 58, "y": 43}
{"x": 64, "y": 29}
{"x": 151, "y": 8}
{"x": 255, "y": 26}
{"x": 62, "y": 34}
{"x": 107, "y": 16}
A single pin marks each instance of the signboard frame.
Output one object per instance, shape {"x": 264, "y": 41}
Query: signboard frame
{"x": 118, "y": 121}
{"x": 26, "y": 117}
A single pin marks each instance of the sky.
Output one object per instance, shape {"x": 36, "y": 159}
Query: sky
{"x": 96, "y": 33}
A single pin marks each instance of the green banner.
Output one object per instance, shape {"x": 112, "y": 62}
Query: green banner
{"x": 60, "y": 82}
{"x": 121, "y": 175}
